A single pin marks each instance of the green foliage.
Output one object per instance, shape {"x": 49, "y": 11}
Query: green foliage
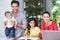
{"x": 34, "y": 8}
{"x": 56, "y": 10}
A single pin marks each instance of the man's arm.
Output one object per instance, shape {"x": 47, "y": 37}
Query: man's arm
{"x": 19, "y": 25}
{"x": 24, "y": 22}
{"x": 5, "y": 22}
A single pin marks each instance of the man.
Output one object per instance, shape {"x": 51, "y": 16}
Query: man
{"x": 21, "y": 19}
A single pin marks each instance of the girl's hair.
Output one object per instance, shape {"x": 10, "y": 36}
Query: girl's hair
{"x": 28, "y": 28}
{"x": 46, "y": 12}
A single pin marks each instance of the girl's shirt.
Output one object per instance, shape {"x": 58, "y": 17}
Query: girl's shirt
{"x": 34, "y": 32}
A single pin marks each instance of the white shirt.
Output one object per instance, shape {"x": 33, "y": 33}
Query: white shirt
{"x": 9, "y": 25}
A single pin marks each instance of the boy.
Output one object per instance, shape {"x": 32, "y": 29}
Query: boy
{"x": 9, "y": 24}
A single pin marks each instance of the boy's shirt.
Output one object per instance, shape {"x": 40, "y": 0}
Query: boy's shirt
{"x": 9, "y": 25}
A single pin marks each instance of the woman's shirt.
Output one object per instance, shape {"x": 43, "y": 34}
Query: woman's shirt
{"x": 52, "y": 26}
{"x": 34, "y": 32}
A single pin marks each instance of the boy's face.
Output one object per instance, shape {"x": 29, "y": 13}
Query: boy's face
{"x": 8, "y": 15}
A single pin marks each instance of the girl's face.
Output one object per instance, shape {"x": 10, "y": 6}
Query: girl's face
{"x": 46, "y": 17}
{"x": 32, "y": 23}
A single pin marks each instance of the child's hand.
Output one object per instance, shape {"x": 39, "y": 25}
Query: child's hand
{"x": 6, "y": 22}
{"x": 12, "y": 22}
{"x": 14, "y": 27}
{"x": 15, "y": 24}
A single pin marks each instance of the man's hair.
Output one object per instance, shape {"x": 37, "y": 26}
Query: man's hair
{"x": 15, "y": 2}
{"x": 7, "y": 12}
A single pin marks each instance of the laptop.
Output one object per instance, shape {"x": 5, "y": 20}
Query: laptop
{"x": 50, "y": 35}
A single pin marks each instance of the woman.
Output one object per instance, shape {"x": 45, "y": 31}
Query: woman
{"x": 48, "y": 24}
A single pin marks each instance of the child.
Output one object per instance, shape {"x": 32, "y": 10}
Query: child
{"x": 9, "y": 25}
{"x": 32, "y": 29}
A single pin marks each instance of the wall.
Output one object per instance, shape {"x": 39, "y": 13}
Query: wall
{"x": 4, "y": 6}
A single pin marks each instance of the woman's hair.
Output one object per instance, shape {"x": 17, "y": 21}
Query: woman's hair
{"x": 28, "y": 28}
{"x": 46, "y": 12}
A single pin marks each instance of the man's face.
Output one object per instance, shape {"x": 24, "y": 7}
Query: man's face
{"x": 14, "y": 7}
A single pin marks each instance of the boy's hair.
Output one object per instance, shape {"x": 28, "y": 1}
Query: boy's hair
{"x": 46, "y": 12}
{"x": 7, "y": 12}
{"x": 15, "y": 2}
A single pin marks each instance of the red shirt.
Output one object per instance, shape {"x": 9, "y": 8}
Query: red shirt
{"x": 52, "y": 26}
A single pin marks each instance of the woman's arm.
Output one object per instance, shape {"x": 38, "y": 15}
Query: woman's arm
{"x": 42, "y": 26}
{"x": 55, "y": 26}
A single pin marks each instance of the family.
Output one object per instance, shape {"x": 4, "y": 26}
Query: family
{"x": 16, "y": 24}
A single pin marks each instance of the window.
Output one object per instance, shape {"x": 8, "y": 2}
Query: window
{"x": 34, "y": 8}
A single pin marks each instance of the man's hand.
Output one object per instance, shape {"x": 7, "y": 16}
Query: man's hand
{"x": 20, "y": 25}
{"x": 5, "y": 23}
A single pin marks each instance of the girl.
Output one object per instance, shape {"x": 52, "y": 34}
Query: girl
{"x": 32, "y": 29}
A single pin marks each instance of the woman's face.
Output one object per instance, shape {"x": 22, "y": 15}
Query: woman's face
{"x": 46, "y": 17}
{"x": 32, "y": 23}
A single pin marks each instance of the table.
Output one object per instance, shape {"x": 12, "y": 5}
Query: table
{"x": 28, "y": 38}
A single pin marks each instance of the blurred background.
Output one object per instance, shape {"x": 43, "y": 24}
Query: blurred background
{"x": 31, "y": 8}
